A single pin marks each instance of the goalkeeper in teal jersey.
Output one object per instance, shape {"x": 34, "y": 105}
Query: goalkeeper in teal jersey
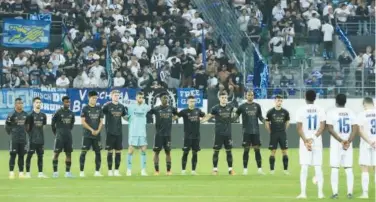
{"x": 137, "y": 131}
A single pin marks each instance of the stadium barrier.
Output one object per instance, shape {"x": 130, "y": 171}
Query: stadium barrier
{"x": 52, "y": 98}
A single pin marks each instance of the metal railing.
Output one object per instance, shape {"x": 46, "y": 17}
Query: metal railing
{"x": 221, "y": 16}
{"x": 358, "y": 25}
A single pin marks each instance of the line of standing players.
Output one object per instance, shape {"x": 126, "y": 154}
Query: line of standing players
{"x": 19, "y": 124}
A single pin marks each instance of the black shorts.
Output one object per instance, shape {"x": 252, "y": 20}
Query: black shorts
{"x": 88, "y": 143}
{"x": 251, "y": 140}
{"x": 63, "y": 144}
{"x": 278, "y": 138}
{"x": 38, "y": 148}
{"x": 220, "y": 140}
{"x": 17, "y": 148}
{"x": 193, "y": 144}
{"x": 114, "y": 142}
{"x": 277, "y": 58}
{"x": 162, "y": 142}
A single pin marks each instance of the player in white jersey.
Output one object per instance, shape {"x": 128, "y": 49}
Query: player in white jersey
{"x": 342, "y": 126}
{"x": 310, "y": 121}
{"x": 367, "y": 148}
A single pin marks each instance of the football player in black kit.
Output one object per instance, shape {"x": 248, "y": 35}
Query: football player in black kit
{"x": 35, "y": 123}
{"x": 223, "y": 119}
{"x": 277, "y": 122}
{"x": 15, "y": 127}
{"x": 114, "y": 111}
{"x": 191, "y": 118}
{"x": 92, "y": 122}
{"x": 164, "y": 115}
{"x": 62, "y": 124}
{"x": 251, "y": 114}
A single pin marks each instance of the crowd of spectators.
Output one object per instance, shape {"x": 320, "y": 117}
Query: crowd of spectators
{"x": 291, "y": 24}
{"x": 131, "y": 44}
{"x": 159, "y": 43}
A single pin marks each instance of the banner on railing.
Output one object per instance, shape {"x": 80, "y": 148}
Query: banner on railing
{"x": 79, "y": 97}
{"x": 51, "y": 99}
{"x": 26, "y": 33}
{"x": 184, "y": 93}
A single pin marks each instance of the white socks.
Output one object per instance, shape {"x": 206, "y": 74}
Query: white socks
{"x": 334, "y": 180}
{"x": 350, "y": 180}
{"x": 365, "y": 181}
{"x": 320, "y": 179}
{"x": 349, "y": 177}
{"x": 303, "y": 179}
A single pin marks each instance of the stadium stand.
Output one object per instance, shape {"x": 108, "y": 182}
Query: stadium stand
{"x": 183, "y": 43}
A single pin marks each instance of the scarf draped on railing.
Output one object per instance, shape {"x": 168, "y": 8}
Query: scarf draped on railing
{"x": 342, "y": 36}
{"x": 108, "y": 62}
{"x": 261, "y": 68}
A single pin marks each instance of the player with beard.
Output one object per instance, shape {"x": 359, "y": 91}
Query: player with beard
{"x": 191, "y": 118}
{"x": 15, "y": 127}
{"x": 223, "y": 119}
{"x": 114, "y": 111}
{"x": 251, "y": 114}
{"x": 35, "y": 123}
{"x": 62, "y": 124}
{"x": 164, "y": 115}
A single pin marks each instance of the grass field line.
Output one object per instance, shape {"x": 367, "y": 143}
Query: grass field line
{"x": 145, "y": 184}
{"x": 139, "y": 196}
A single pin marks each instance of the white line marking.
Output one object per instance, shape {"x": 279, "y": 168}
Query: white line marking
{"x": 110, "y": 185}
{"x": 139, "y": 196}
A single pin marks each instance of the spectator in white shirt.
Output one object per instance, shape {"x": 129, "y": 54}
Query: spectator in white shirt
{"x": 97, "y": 70}
{"x": 103, "y": 81}
{"x": 162, "y": 48}
{"x": 57, "y": 59}
{"x": 314, "y": 33}
{"x": 138, "y": 50}
{"x": 196, "y": 20}
{"x": 119, "y": 81}
{"x": 62, "y": 81}
{"x": 20, "y": 60}
{"x": 278, "y": 12}
{"x": 78, "y": 82}
{"x": 174, "y": 9}
{"x": 134, "y": 66}
{"x": 342, "y": 13}
{"x": 92, "y": 81}
{"x": 131, "y": 29}
{"x": 212, "y": 80}
{"x": 141, "y": 41}
{"x": 188, "y": 50}
{"x": 120, "y": 27}
{"x": 328, "y": 31}
{"x": 311, "y": 13}
{"x": 289, "y": 34}
{"x": 7, "y": 64}
{"x": 159, "y": 30}
{"x": 276, "y": 47}
{"x": 186, "y": 15}
{"x": 243, "y": 20}
{"x": 127, "y": 38}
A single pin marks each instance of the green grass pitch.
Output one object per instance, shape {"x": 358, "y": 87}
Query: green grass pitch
{"x": 204, "y": 187}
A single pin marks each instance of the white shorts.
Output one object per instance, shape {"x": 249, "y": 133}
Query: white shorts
{"x": 341, "y": 158}
{"x": 310, "y": 158}
{"x": 367, "y": 156}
